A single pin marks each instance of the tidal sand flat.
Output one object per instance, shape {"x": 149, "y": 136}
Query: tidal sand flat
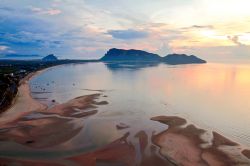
{"x": 105, "y": 116}
{"x": 183, "y": 145}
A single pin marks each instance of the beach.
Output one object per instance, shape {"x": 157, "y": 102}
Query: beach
{"x": 23, "y": 103}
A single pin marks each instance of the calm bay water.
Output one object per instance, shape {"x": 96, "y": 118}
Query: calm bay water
{"x": 212, "y": 96}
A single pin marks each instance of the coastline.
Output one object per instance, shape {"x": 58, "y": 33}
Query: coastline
{"x": 23, "y": 100}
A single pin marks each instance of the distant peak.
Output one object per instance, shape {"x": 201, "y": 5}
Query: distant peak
{"x": 116, "y": 54}
{"x": 50, "y": 57}
{"x": 182, "y": 59}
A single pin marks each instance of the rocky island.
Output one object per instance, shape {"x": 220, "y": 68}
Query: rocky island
{"x": 174, "y": 59}
{"x": 121, "y": 55}
{"x": 115, "y": 54}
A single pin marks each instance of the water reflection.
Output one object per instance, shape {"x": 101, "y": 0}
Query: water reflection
{"x": 211, "y": 95}
{"x": 214, "y": 96}
{"x": 119, "y": 66}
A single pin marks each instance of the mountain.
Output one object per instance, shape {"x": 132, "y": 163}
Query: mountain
{"x": 115, "y": 54}
{"x": 50, "y": 57}
{"x": 175, "y": 59}
{"x": 120, "y": 55}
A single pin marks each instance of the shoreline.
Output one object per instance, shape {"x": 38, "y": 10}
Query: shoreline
{"x": 23, "y": 100}
{"x": 24, "y": 96}
{"x": 13, "y": 71}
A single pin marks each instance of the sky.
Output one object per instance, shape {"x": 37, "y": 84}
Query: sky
{"x": 215, "y": 30}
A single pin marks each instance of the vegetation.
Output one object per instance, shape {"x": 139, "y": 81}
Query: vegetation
{"x": 12, "y": 71}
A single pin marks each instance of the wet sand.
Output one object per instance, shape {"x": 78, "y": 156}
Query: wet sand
{"x": 182, "y": 144}
{"x": 246, "y": 152}
{"x": 38, "y": 128}
{"x": 50, "y": 127}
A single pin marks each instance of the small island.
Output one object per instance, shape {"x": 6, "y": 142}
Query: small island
{"x": 175, "y": 59}
{"x": 121, "y": 55}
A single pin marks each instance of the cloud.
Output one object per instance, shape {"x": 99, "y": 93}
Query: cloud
{"x": 164, "y": 49}
{"x": 46, "y": 11}
{"x": 235, "y": 40}
{"x": 30, "y": 34}
{"x": 199, "y": 27}
{"x": 204, "y": 26}
{"x": 128, "y": 34}
{"x": 3, "y": 48}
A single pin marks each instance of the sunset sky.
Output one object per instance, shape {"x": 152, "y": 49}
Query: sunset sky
{"x": 216, "y": 30}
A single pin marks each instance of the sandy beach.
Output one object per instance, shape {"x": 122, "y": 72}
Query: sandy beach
{"x": 23, "y": 103}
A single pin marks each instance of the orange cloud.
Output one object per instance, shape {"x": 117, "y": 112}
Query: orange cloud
{"x": 47, "y": 11}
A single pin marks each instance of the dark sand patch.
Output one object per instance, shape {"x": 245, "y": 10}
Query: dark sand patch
{"x": 40, "y": 92}
{"x": 41, "y": 133}
{"x": 246, "y": 153}
{"x": 221, "y": 140}
{"x": 97, "y": 90}
{"x": 182, "y": 145}
{"x": 172, "y": 121}
{"x": 101, "y": 103}
{"x": 77, "y": 105}
{"x": 122, "y": 152}
{"x": 122, "y": 126}
{"x": 119, "y": 151}
{"x": 39, "y": 129}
